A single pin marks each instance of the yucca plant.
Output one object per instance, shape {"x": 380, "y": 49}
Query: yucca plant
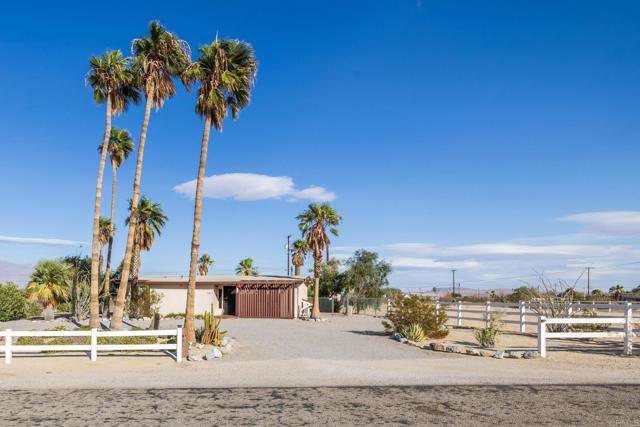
{"x": 415, "y": 333}
{"x": 212, "y": 333}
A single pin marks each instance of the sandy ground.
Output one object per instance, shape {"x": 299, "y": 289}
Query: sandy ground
{"x": 339, "y": 352}
{"x": 440, "y": 405}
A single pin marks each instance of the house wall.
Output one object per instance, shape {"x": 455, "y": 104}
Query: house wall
{"x": 174, "y": 298}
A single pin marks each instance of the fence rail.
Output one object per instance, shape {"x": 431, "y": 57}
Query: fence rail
{"x": 524, "y": 311}
{"x": 9, "y": 348}
{"x": 627, "y": 332}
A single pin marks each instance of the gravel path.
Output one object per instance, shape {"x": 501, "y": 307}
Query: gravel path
{"x": 440, "y": 405}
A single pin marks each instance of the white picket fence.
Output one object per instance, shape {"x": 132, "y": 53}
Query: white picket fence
{"x": 626, "y": 333}
{"x": 93, "y": 348}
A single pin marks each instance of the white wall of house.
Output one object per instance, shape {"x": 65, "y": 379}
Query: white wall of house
{"x": 174, "y": 298}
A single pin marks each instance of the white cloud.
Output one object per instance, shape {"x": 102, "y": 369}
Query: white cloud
{"x": 250, "y": 186}
{"x": 411, "y": 262}
{"x": 607, "y": 222}
{"x": 40, "y": 241}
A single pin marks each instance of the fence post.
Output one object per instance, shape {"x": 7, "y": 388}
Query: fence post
{"x": 609, "y": 303}
{"x": 522, "y": 317}
{"x": 570, "y": 312}
{"x": 487, "y": 316}
{"x": 94, "y": 345}
{"x": 179, "y": 344}
{"x": 8, "y": 342}
{"x": 459, "y": 308}
{"x": 542, "y": 336}
{"x": 437, "y": 306}
{"x": 628, "y": 330}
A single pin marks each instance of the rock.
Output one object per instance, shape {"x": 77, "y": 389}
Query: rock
{"x": 225, "y": 341}
{"x": 514, "y": 355}
{"x": 486, "y": 353}
{"x": 194, "y": 358}
{"x": 396, "y": 336}
{"x": 473, "y": 352}
{"x": 200, "y": 346}
{"x": 215, "y": 353}
{"x": 455, "y": 349}
{"x": 412, "y": 343}
{"x": 437, "y": 346}
{"x": 403, "y": 340}
{"x": 531, "y": 355}
{"x": 427, "y": 346}
{"x": 48, "y": 313}
{"x": 226, "y": 349}
{"x": 498, "y": 354}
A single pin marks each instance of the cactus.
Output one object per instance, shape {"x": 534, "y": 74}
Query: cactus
{"x": 212, "y": 333}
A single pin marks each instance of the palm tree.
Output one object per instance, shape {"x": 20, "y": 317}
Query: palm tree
{"x": 204, "y": 263}
{"x": 112, "y": 83}
{"x": 158, "y": 58}
{"x": 49, "y": 283}
{"x": 300, "y": 249}
{"x": 225, "y": 73}
{"x": 616, "y": 291}
{"x": 149, "y": 221}
{"x": 120, "y": 146}
{"x": 246, "y": 268}
{"x": 313, "y": 224}
{"x": 103, "y": 238}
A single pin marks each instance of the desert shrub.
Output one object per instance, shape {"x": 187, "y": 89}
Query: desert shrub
{"x": 64, "y": 307}
{"x": 212, "y": 333}
{"x": 415, "y": 309}
{"x": 414, "y": 333}
{"x": 34, "y": 308}
{"x": 144, "y": 302}
{"x": 488, "y": 336}
{"x": 13, "y": 304}
{"x": 181, "y": 316}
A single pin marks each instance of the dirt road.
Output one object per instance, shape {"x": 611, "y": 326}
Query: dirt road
{"x": 548, "y": 405}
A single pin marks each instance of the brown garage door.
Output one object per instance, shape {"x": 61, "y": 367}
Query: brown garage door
{"x": 268, "y": 301}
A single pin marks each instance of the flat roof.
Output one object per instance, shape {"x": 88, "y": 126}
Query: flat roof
{"x": 222, "y": 280}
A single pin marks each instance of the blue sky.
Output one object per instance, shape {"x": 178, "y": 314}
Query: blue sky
{"x": 461, "y": 135}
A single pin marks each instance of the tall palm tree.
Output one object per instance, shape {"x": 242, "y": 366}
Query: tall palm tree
{"x": 300, "y": 249}
{"x": 49, "y": 283}
{"x": 225, "y": 73}
{"x": 120, "y": 146}
{"x": 313, "y": 224}
{"x": 149, "y": 221}
{"x": 158, "y": 59}
{"x": 112, "y": 83}
{"x": 616, "y": 291}
{"x": 246, "y": 268}
{"x": 204, "y": 263}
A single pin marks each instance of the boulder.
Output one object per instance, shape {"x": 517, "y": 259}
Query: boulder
{"x": 403, "y": 340}
{"x": 473, "y": 352}
{"x": 226, "y": 349}
{"x": 514, "y": 355}
{"x": 194, "y": 358}
{"x": 486, "y": 353}
{"x": 437, "y": 346}
{"x": 396, "y": 336}
{"x": 498, "y": 354}
{"x": 427, "y": 346}
{"x": 214, "y": 353}
{"x": 225, "y": 341}
{"x": 531, "y": 354}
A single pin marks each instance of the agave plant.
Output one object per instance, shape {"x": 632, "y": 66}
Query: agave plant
{"x": 414, "y": 332}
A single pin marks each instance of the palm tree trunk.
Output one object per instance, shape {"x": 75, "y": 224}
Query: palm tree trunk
{"x": 107, "y": 272}
{"x": 95, "y": 243}
{"x": 189, "y": 321}
{"x": 327, "y": 249}
{"x": 118, "y": 311}
{"x": 297, "y": 269}
{"x": 317, "y": 269}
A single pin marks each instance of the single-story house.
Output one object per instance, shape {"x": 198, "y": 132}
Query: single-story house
{"x": 243, "y": 296}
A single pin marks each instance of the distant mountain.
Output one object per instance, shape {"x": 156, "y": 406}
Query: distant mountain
{"x": 16, "y": 273}
{"x": 462, "y": 290}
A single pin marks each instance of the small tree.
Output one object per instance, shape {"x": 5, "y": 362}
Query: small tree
{"x": 416, "y": 310}
{"x": 13, "y": 304}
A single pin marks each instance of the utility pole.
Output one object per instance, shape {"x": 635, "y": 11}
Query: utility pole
{"x": 289, "y": 255}
{"x": 589, "y": 280}
{"x": 453, "y": 283}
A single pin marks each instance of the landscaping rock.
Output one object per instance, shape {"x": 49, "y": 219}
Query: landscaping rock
{"x": 473, "y": 352}
{"x": 225, "y": 341}
{"x": 437, "y": 346}
{"x": 396, "y": 336}
{"x": 215, "y": 353}
{"x": 531, "y": 355}
{"x": 226, "y": 349}
{"x": 200, "y": 346}
{"x": 403, "y": 340}
{"x": 194, "y": 358}
{"x": 486, "y": 353}
{"x": 514, "y": 355}
{"x": 427, "y": 346}
{"x": 499, "y": 354}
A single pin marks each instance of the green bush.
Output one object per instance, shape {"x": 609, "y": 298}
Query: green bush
{"x": 415, "y": 309}
{"x": 34, "y": 309}
{"x": 414, "y": 333}
{"x": 488, "y": 336}
{"x": 64, "y": 307}
{"x": 144, "y": 302}
{"x": 83, "y": 340}
{"x": 13, "y": 304}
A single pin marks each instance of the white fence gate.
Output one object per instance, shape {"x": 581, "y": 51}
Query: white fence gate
{"x": 93, "y": 347}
